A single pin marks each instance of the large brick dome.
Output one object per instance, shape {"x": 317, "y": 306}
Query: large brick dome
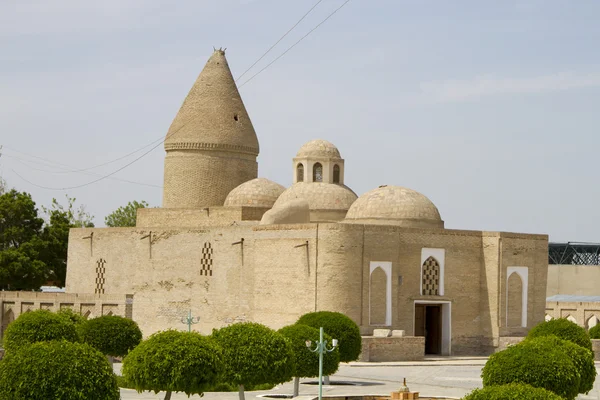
{"x": 259, "y": 192}
{"x": 395, "y": 205}
{"x": 319, "y": 149}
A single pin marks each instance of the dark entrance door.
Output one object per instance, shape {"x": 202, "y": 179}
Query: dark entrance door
{"x": 428, "y": 323}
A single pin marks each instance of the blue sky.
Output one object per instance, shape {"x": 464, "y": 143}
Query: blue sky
{"x": 488, "y": 108}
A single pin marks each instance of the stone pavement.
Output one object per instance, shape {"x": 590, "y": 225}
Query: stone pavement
{"x": 450, "y": 377}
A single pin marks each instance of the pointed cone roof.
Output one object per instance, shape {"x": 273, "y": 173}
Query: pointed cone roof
{"x": 213, "y": 115}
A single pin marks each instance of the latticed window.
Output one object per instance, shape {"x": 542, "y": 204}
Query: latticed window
{"x": 206, "y": 262}
{"x": 100, "y": 278}
{"x": 300, "y": 173}
{"x": 317, "y": 172}
{"x": 431, "y": 277}
{"x": 336, "y": 173}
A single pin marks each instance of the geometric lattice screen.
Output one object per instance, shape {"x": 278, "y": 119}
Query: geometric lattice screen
{"x": 206, "y": 261}
{"x": 100, "y": 276}
{"x": 431, "y": 277}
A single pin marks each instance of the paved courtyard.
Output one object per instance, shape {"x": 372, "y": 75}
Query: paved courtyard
{"x": 451, "y": 378}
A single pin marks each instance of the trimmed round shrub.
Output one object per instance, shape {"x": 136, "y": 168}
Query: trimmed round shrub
{"x": 339, "y": 327}
{"x": 583, "y": 359}
{"x": 564, "y": 329}
{"x": 71, "y": 316}
{"x": 38, "y": 326}
{"x": 255, "y": 354}
{"x": 512, "y": 391}
{"x": 536, "y": 362}
{"x": 57, "y": 370}
{"x": 306, "y": 362}
{"x": 112, "y": 335}
{"x": 174, "y": 361}
{"x": 594, "y": 332}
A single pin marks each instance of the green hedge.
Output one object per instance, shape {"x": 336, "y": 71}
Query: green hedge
{"x": 57, "y": 370}
{"x": 537, "y": 362}
{"x": 595, "y": 332}
{"x": 255, "y": 354}
{"x": 112, "y": 335}
{"x": 512, "y": 391}
{"x": 174, "y": 361}
{"x": 339, "y": 327}
{"x": 307, "y": 362}
{"x": 38, "y": 326}
{"x": 564, "y": 329}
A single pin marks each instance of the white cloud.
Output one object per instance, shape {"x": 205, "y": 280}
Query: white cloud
{"x": 488, "y": 85}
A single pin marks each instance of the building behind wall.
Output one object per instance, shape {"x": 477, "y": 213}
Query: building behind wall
{"x": 248, "y": 249}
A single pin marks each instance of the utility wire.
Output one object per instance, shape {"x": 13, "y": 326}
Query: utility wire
{"x": 176, "y": 131}
{"x": 280, "y": 39}
{"x": 294, "y": 45}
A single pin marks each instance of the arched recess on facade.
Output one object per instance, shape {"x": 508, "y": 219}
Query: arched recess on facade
{"x": 88, "y": 315}
{"x": 7, "y": 318}
{"x": 336, "y": 173}
{"x": 548, "y": 317}
{"x": 317, "y": 172}
{"x": 592, "y": 322}
{"x": 430, "y": 277}
{"x": 300, "y": 173}
{"x": 514, "y": 309}
{"x": 572, "y": 319}
{"x": 380, "y": 293}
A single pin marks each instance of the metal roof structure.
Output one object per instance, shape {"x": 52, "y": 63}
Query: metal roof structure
{"x": 568, "y": 298}
{"x": 574, "y": 253}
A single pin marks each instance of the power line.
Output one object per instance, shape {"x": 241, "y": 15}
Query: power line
{"x": 280, "y": 39}
{"x": 294, "y": 45}
{"x": 176, "y": 131}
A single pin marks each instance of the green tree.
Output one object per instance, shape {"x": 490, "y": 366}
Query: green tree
{"x": 339, "y": 327}
{"x": 125, "y": 216}
{"x": 112, "y": 335}
{"x": 174, "y": 361}
{"x": 306, "y": 362}
{"x": 21, "y": 247}
{"x": 595, "y": 332}
{"x": 512, "y": 391}
{"x": 38, "y": 326}
{"x": 57, "y": 370}
{"x": 255, "y": 354}
{"x": 564, "y": 329}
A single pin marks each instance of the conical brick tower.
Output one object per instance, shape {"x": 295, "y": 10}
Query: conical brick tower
{"x": 211, "y": 145}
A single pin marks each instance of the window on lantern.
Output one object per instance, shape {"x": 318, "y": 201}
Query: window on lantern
{"x": 336, "y": 173}
{"x": 300, "y": 173}
{"x": 317, "y": 172}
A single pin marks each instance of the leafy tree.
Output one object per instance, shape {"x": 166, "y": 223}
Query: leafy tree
{"x": 595, "y": 332}
{"x": 71, "y": 316}
{"x": 512, "y": 391}
{"x": 255, "y": 354}
{"x": 2, "y": 186}
{"x": 21, "y": 247}
{"x": 306, "y": 362}
{"x": 125, "y": 216}
{"x": 38, "y": 326}
{"x": 339, "y": 327}
{"x": 540, "y": 364}
{"x": 57, "y": 370}
{"x": 112, "y": 335}
{"x": 564, "y": 329}
{"x": 174, "y": 361}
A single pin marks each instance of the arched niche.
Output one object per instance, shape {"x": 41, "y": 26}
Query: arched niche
{"x": 380, "y": 293}
{"x": 300, "y": 172}
{"x": 317, "y": 172}
{"x": 523, "y": 274}
{"x": 514, "y": 297}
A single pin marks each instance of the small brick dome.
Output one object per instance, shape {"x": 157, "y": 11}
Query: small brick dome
{"x": 395, "y": 205}
{"x": 259, "y": 192}
{"x": 318, "y": 149}
{"x": 320, "y": 196}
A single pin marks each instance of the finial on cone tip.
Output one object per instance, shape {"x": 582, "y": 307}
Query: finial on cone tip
{"x": 220, "y": 50}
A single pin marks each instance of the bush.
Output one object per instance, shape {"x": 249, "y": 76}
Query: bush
{"x": 583, "y": 359}
{"x": 512, "y": 391}
{"x": 306, "y": 362}
{"x": 57, "y": 370}
{"x": 255, "y": 354}
{"x": 174, "y": 361}
{"x": 112, "y": 335}
{"x": 71, "y": 316}
{"x": 339, "y": 327}
{"x": 536, "y": 362}
{"x": 595, "y": 332}
{"x": 38, "y": 326}
{"x": 564, "y": 329}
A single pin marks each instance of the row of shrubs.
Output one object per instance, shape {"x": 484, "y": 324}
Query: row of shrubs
{"x": 63, "y": 356}
{"x": 555, "y": 361}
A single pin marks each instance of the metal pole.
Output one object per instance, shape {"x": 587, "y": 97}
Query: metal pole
{"x": 321, "y": 346}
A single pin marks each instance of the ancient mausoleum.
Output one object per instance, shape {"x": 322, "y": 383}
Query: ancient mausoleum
{"x": 230, "y": 246}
